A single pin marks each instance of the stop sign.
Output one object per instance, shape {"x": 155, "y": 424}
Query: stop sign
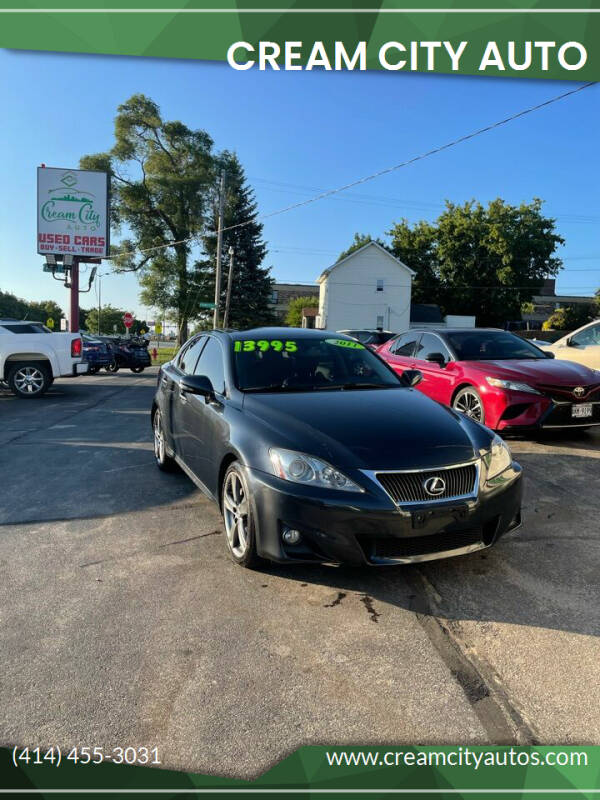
{"x": 128, "y": 319}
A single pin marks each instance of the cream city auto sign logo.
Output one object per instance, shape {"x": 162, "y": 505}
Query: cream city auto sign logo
{"x": 71, "y": 205}
{"x": 579, "y": 391}
{"x": 435, "y": 486}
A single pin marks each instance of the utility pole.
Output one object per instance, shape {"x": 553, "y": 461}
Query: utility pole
{"x": 229, "y": 284}
{"x": 99, "y": 300}
{"x": 219, "y": 245}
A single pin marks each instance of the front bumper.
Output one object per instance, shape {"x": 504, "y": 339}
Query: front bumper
{"x": 519, "y": 412}
{"x": 370, "y": 529}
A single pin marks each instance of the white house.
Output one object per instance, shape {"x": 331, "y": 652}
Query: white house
{"x": 369, "y": 288}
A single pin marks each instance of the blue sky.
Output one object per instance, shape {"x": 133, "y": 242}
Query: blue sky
{"x": 300, "y": 132}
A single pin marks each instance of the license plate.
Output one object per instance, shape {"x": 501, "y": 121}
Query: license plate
{"x": 584, "y": 410}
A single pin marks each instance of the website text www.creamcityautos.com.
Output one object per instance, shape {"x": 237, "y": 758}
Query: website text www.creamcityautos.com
{"x": 459, "y": 757}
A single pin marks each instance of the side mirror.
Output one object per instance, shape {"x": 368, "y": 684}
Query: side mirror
{"x": 571, "y": 343}
{"x": 411, "y": 377}
{"x": 436, "y": 358}
{"x": 549, "y": 354}
{"x": 196, "y": 384}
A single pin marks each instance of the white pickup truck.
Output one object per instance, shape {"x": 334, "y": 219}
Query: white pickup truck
{"x": 31, "y": 357}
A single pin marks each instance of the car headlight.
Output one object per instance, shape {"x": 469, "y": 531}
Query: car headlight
{"x": 514, "y": 385}
{"x": 300, "y": 468}
{"x": 498, "y": 458}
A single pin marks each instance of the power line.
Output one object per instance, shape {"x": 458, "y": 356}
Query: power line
{"x": 385, "y": 201}
{"x": 379, "y": 173}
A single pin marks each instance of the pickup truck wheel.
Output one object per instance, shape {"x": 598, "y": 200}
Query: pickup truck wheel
{"x": 112, "y": 367}
{"x": 136, "y": 369}
{"x": 93, "y": 370}
{"x": 29, "y": 380}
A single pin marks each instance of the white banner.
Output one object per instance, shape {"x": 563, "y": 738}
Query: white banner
{"x": 73, "y": 212}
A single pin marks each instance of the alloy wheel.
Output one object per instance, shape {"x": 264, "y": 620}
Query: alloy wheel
{"x": 235, "y": 514}
{"x": 159, "y": 439}
{"x": 469, "y": 404}
{"x": 29, "y": 380}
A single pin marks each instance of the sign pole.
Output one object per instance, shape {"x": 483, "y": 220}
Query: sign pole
{"x": 74, "y": 314}
{"x": 99, "y": 300}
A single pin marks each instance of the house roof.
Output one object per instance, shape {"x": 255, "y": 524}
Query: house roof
{"x": 425, "y": 312}
{"x": 327, "y": 271}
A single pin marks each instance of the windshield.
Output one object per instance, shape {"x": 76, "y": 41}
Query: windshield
{"x": 491, "y": 346}
{"x": 308, "y": 364}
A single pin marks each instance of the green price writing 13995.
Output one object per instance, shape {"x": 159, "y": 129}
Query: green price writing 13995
{"x": 250, "y": 345}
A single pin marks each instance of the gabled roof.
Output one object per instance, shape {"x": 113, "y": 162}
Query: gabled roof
{"x": 327, "y": 271}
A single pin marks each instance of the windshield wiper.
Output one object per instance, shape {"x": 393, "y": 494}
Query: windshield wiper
{"x": 346, "y": 386}
{"x": 278, "y": 387}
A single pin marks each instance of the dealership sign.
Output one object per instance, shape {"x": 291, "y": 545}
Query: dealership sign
{"x": 72, "y": 212}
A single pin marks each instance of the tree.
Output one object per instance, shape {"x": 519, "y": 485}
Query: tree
{"x": 161, "y": 177}
{"x": 109, "y": 318}
{"x": 251, "y": 286}
{"x": 38, "y": 311}
{"x": 569, "y": 318}
{"x": 360, "y": 240}
{"x": 294, "y": 315}
{"x": 481, "y": 261}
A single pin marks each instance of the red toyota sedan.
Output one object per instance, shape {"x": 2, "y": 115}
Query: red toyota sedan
{"x": 497, "y": 378}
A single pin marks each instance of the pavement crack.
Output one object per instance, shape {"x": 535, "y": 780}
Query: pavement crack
{"x": 337, "y": 601}
{"x": 498, "y": 713}
{"x": 367, "y": 601}
{"x": 190, "y": 539}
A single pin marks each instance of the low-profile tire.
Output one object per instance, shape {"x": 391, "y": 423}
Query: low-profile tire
{"x": 136, "y": 369}
{"x": 238, "y": 518}
{"x": 468, "y": 402}
{"x": 29, "y": 379}
{"x": 163, "y": 460}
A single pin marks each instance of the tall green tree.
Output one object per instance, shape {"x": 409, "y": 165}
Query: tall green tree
{"x": 251, "y": 288}
{"x": 485, "y": 261}
{"x": 161, "y": 178}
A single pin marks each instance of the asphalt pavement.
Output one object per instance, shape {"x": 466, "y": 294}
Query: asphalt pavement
{"x": 124, "y": 623}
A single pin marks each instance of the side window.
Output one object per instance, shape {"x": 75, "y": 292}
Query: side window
{"x": 211, "y": 365}
{"x": 187, "y": 360}
{"x": 380, "y": 284}
{"x": 431, "y": 344}
{"x": 405, "y": 344}
{"x": 590, "y": 335}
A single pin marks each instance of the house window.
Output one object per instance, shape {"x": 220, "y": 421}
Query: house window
{"x": 274, "y": 296}
{"x": 380, "y": 284}
{"x": 379, "y": 322}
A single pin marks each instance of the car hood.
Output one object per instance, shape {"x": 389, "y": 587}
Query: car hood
{"x": 368, "y": 429}
{"x": 553, "y": 372}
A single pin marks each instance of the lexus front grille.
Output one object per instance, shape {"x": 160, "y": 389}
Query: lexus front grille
{"x": 418, "y": 487}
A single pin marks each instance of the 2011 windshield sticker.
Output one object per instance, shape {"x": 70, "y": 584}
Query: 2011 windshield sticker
{"x": 251, "y": 345}
{"x": 346, "y": 343}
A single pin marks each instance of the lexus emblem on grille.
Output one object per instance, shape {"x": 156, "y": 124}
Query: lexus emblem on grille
{"x": 579, "y": 391}
{"x": 435, "y": 486}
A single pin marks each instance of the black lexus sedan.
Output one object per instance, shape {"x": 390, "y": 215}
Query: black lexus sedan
{"x": 316, "y": 451}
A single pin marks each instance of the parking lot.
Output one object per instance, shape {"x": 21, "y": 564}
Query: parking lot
{"x": 124, "y": 622}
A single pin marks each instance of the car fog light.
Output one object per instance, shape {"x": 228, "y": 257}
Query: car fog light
{"x": 291, "y": 536}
